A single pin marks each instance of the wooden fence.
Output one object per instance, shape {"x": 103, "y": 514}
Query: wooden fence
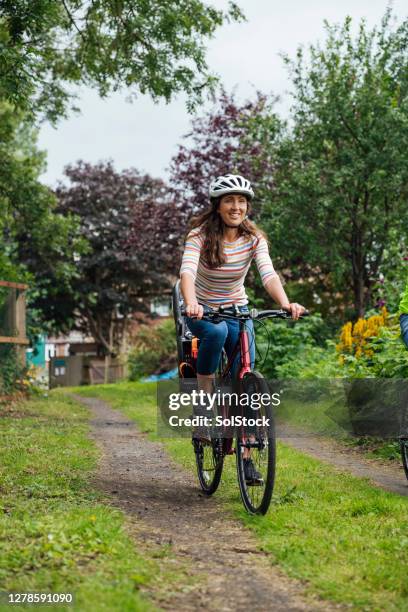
{"x": 13, "y": 316}
{"x": 75, "y": 370}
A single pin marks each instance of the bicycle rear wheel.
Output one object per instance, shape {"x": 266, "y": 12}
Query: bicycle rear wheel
{"x": 210, "y": 455}
{"x": 258, "y": 444}
{"x": 209, "y": 462}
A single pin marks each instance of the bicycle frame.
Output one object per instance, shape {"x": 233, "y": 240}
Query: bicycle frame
{"x": 241, "y": 346}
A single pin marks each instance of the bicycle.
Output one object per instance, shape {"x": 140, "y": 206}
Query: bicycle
{"x": 255, "y": 441}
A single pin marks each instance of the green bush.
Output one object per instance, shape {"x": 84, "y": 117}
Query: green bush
{"x": 377, "y": 407}
{"x": 154, "y": 350}
{"x": 11, "y": 369}
{"x": 313, "y": 361}
{"x": 390, "y": 356}
{"x": 386, "y": 357}
{"x": 291, "y": 345}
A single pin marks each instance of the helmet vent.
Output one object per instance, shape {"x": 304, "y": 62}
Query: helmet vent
{"x": 230, "y": 183}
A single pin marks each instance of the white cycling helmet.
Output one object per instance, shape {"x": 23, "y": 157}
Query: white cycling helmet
{"x": 230, "y": 183}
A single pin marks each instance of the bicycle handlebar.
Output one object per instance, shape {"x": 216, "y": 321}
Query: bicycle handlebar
{"x": 274, "y": 314}
{"x": 255, "y": 314}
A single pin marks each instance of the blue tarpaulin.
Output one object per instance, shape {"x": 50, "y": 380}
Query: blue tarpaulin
{"x": 163, "y": 376}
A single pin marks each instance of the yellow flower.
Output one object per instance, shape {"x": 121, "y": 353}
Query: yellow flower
{"x": 354, "y": 338}
{"x": 345, "y": 338}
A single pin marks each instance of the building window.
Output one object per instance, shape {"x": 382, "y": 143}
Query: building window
{"x": 160, "y": 308}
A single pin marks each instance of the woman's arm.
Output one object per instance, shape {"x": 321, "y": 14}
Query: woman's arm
{"x": 188, "y": 272}
{"x": 271, "y": 280}
{"x": 187, "y": 287}
{"x": 276, "y": 291}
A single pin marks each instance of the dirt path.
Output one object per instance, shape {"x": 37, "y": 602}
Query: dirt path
{"x": 228, "y": 571}
{"x": 387, "y": 475}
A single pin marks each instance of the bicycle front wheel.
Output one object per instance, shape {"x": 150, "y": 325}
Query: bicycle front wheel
{"x": 255, "y": 447}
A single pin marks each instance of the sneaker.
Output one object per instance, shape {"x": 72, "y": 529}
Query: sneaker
{"x": 202, "y": 433}
{"x": 252, "y": 476}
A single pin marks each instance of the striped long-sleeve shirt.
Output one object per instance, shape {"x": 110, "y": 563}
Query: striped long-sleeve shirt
{"x": 225, "y": 285}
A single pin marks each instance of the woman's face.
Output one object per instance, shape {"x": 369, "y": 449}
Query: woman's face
{"x": 233, "y": 208}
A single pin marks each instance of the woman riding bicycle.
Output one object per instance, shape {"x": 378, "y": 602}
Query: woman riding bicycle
{"x": 218, "y": 253}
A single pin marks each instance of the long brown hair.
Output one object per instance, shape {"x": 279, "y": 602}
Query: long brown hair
{"x": 212, "y": 226}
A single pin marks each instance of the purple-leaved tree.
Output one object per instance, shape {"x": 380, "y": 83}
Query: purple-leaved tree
{"x": 230, "y": 138}
{"x": 132, "y": 225}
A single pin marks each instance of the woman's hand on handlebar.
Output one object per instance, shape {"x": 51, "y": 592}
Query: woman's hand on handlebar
{"x": 194, "y": 309}
{"x": 295, "y": 309}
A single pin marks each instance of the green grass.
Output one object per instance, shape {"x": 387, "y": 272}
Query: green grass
{"x": 347, "y": 539}
{"x": 57, "y": 533}
{"x": 377, "y": 448}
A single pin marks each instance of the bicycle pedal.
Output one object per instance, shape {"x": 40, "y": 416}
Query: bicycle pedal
{"x": 255, "y": 483}
{"x": 201, "y": 438}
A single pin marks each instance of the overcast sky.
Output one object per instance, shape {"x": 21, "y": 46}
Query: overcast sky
{"x": 246, "y": 56}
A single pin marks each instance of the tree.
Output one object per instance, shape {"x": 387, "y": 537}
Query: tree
{"x": 148, "y": 47}
{"x": 229, "y": 138}
{"x": 341, "y": 184}
{"x": 130, "y": 222}
{"x": 34, "y": 237}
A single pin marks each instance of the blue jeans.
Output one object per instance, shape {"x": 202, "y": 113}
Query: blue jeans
{"x": 214, "y": 336}
{"x": 404, "y": 328}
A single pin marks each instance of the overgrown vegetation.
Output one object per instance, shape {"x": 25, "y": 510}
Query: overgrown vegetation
{"x": 370, "y": 347}
{"x": 12, "y": 370}
{"x": 154, "y": 350}
{"x": 288, "y": 342}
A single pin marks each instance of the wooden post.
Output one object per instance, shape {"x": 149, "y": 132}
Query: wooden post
{"x": 15, "y": 319}
{"x": 21, "y": 313}
{"x": 10, "y": 318}
{"x": 108, "y": 356}
{"x": 20, "y": 322}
